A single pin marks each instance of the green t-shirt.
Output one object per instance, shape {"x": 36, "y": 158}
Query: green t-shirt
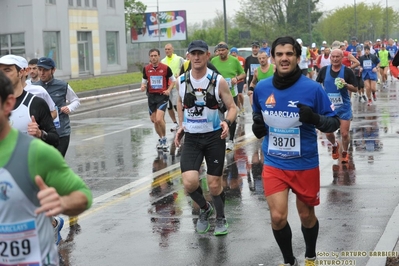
{"x": 228, "y": 69}
{"x": 383, "y": 55}
{"x": 47, "y": 162}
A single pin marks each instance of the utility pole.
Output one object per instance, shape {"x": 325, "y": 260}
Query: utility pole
{"x": 355, "y": 20}
{"x": 225, "y": 21}
{"x": 159, "y": 27}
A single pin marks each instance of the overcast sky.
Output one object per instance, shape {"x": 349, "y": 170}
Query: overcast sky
{"x": 198, "y": 10}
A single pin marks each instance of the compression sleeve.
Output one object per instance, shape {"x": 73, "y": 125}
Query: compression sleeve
{"x": 48, "y": 163}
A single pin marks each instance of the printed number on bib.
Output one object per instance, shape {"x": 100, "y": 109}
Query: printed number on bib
{"x": 284, "y": 143}
{"x": 253, "y": 67}
{"x": 367, "y": 64}
{"x": 19, "y": 244}
{"x": 156, "y": 82}
{"x": 336, "y": 99}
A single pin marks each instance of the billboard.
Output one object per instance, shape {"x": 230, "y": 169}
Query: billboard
{"x": 172, "y": 26}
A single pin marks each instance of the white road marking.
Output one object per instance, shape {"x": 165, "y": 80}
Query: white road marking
{"x": 110, "y": 133}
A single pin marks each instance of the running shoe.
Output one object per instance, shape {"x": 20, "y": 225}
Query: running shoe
{"x": 57, "y": 229}
{"x": 370, "y": 102}
{"x": 221, "y": 227}
{"x": 364, "y": 98}
{"x": 310, "y": 261}
{"x": 289, "y": 264}
{"x": 203, "y": 223}
{"x": 335, "y": 151}
{"x": 165, "y": 144}
{"x": 374, "y": 97}
{"x": 345, "y": 157}
{"x": 360, "y": 99}
{"x": 159, "y": 145}
{"x": 230, "y": 145}
{"x": 175, "y": 127}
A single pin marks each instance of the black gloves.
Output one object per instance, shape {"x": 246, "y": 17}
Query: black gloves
{"x": 306, "y": 115}
{"x": 258, "y": 127}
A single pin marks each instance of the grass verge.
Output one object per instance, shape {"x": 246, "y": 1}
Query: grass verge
{"x": 94, "y": 83}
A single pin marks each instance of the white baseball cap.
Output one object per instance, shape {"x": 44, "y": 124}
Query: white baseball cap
{"x": 299, "y": 41}
{"x": 378, "y": 40}
{"x": 11, "y": 59}
{"x": 324, "y": 42}
{"x": 313, "y": 45}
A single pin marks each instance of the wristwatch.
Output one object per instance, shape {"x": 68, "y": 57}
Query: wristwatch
{"x": 44, "y": 135}
{"x": 228, "y": 122}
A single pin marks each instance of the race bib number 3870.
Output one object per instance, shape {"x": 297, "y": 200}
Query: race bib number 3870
{"x": 19, "y": 244}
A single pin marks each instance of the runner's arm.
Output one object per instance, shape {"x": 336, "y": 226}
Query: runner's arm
{"x": 46, "y": 130}
{"x": 73, "y": 99}
{"x": 355, "y": 62}
{"x": 71, "y": 193}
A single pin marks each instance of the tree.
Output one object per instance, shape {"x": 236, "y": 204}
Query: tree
{"x": 134, "y": 11}
{"x": 371, "y": 22}
{"x": 269, "y": 19}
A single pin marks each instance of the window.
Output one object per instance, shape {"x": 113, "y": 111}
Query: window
{"x": 12, "y": 44}
{"x": 94, "y": 3}
{"x": 51, "y": 41}
{"x": 112, "y": 48}
{"x": 70, "y": 2}
{"x": 50, "y": 2}
{"x": 87, "y": 3}
{"x": 111, "y": 3}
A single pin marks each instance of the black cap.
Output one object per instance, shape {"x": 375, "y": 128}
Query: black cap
{"x": 264, "y": 41}
{"x": 197, "y": 45}
{"x": 46, "y": 62}
{"x": 255, "y": 43}
{"x": 354, "y": 38}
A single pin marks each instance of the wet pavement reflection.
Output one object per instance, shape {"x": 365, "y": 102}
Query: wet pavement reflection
{"x": 142, "y": 216}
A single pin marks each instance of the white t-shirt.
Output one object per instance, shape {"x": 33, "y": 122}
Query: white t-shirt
{"x": 41, "y": 92}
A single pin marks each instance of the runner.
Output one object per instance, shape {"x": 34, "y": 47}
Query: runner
{"x": 358, "y": 75}
{"x": 369, "y": 64}
{"x": 338, "y": 80}
{"x": 265, "y": 70}
{"x": 205, "y": 133}
{"x": 251, "y": 63}
{"x": 175, "y": 63}
{"x": 30, "y": 115}
{"x": 240, "y": 83}
{"x": 230, "y": 69}
{"x": 63, "y": 96}
{"x": 383, "y": 55}
{"x": 286, "y": 111}
{"x": 158, "y": 81}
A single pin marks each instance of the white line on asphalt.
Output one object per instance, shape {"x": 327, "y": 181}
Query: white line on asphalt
{"x": 110, "y": 107}
{"x": 110, "y": 133}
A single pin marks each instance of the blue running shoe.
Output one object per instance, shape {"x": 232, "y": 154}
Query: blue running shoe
{"x": 57, "y": 229}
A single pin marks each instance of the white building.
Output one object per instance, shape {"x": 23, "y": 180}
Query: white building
{"x": 84, "y": 37}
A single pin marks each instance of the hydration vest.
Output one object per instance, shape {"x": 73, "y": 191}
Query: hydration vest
{"x": 190, "y": 99}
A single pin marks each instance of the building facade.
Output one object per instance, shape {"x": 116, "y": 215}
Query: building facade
{"x": 83, "y": 37}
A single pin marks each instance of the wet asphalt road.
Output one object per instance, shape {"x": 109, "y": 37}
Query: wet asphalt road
{"x": 141, "y": 216}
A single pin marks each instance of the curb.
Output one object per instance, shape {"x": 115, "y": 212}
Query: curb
{"x": 99, "y": 99}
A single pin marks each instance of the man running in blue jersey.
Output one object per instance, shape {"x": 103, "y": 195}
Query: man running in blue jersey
{"x": 287, "y": 109}
{"x": 338, "y": 80}
{"x": 352, "y": 47}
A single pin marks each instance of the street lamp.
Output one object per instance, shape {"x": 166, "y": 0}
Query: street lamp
{"x": 387, "y": 20}
{"x": 225, "y": 21}
{"x": 159, "y": 26}
{"x": 355, "y": 19}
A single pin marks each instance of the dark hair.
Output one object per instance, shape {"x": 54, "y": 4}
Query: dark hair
{"x": 366, "y": 47}
{"x": 287, "y": 40}
{"x": 33, "y": 61}
{"x": 6, "y": 88}
{"x": 154, "y": 50}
